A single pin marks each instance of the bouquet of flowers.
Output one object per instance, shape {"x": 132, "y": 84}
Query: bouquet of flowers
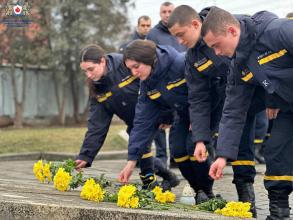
{"x": 42, "y": 171}
{"x": 63, "y": 174}
{"x": 236, "y": 209}
{"x": 92, "y": 191}
{"x": 130, "y": 197}
{"x": 65, "y": 177}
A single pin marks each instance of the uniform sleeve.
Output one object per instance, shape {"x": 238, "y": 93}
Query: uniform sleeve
{"x": 144, "y": 125}
{"x": 286, "y": 35}
{"x": 152, "y": 36}
{"x": 200, "y": 104}
{"x": 98, "y": 126}
{"x": 237, "y": 103}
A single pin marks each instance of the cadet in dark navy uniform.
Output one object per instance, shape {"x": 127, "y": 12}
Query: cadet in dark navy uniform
{"x": 143, "y": 28}
{"x": 261, "y": 48}
{"x": 206, "y": 76}
{"x": 161, "y": 36}
{"x": 163, "y": 86}
{"x": 113, "y": 91}
{"x": 261, "y": 129}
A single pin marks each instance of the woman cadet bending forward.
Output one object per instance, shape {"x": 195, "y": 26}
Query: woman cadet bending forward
{"x": 163, "y": 86}
{"x": 113, "y": 90}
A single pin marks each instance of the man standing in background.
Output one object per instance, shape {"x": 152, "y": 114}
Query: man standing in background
{"x": 143, "y": 27}
{"x": 161, "y": 36}
{"x": 160, "y": 33}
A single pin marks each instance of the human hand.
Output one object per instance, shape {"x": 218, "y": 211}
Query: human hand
{"x": 272, "y": 113}
{"x": 200, "y": 152}
{"x": 164, "y": 126}
{"x": 79, "y": 164}
{"x": 125, "y": 174}
{"x": 216, "y": 169}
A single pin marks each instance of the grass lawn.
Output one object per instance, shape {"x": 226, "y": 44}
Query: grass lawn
{"x": 55, "y": 139}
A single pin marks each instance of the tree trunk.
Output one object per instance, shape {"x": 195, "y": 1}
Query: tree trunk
{"x": 18, "y": 118}
{"x": 61, "y": 100}
{"x": 74, "y": 91}
{"x": 85, "y": 112}
{"x": 62, "y": 115}
{"x": 19, "y": 105}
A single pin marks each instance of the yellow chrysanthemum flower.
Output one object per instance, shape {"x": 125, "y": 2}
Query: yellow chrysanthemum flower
{"x": 62, "y": 180}
{"x": 236, "y": 209}
{"x": 38, "y": 166}
{"x": 161, "y": 197}
{"x": 92, "y": 191}
{"x": 128, "y": 190}
{"x": 38, "y": 171}
{"x": 42, "y": 171}
{"x": 157, "y": 190}
{"x": 170, "y": 197}
{"x": 46, "y": 172}
{"x": 122, "y": 200}
{"x": 134, "y": 202}
{"x": 127, "y": 198}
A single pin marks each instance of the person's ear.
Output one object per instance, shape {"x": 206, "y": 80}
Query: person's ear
{"x": 232, "y": 30}
{"x": 103, "y": 60}
{"x": 195, "y": 23}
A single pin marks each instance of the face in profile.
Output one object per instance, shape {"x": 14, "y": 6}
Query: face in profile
{"x": 187, "y": 35}
{"x": 94, "y": 71}
{"x": 138, "y": 69}
{"x": 223, "y": 43}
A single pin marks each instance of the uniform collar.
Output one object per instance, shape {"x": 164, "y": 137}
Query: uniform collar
{"x": 247, "y": 39}
{"x": 162, "y": 65}
{"x": 163, "y": 27}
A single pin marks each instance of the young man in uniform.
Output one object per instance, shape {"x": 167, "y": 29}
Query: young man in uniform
{"x": 261, "y": 49}
{"x": 206, "y": 75}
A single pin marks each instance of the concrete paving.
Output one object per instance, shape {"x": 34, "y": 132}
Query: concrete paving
{"x": 23, "y": 197}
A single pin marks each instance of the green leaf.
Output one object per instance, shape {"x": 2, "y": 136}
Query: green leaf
{"x": 212, "y": 204}
{"x": 76, "y": 180}
{"x": 111, "y": 197}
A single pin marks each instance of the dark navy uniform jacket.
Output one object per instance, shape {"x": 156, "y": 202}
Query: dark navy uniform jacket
{"x": 206, "y": 76}
{"x": 164, "y": 90}
{"x": 161, "y": 36}
{"x": 117, "y": 93}
{"x": 135, "y": 36}
{"x": 263, "y": 61}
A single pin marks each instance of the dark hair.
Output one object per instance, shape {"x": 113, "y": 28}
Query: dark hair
{"x": 143, "y": 51}
{"x": 92, "y": 53}
{"x": 289, "y": 15}
{"x": 144, "y": 17}
{"x": 216, "y": 21}
{"x": 166, "y": 4}
{"x": 182, "y": 15}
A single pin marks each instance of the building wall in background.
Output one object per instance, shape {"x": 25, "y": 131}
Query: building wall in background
{"x": 40, "y": 94}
